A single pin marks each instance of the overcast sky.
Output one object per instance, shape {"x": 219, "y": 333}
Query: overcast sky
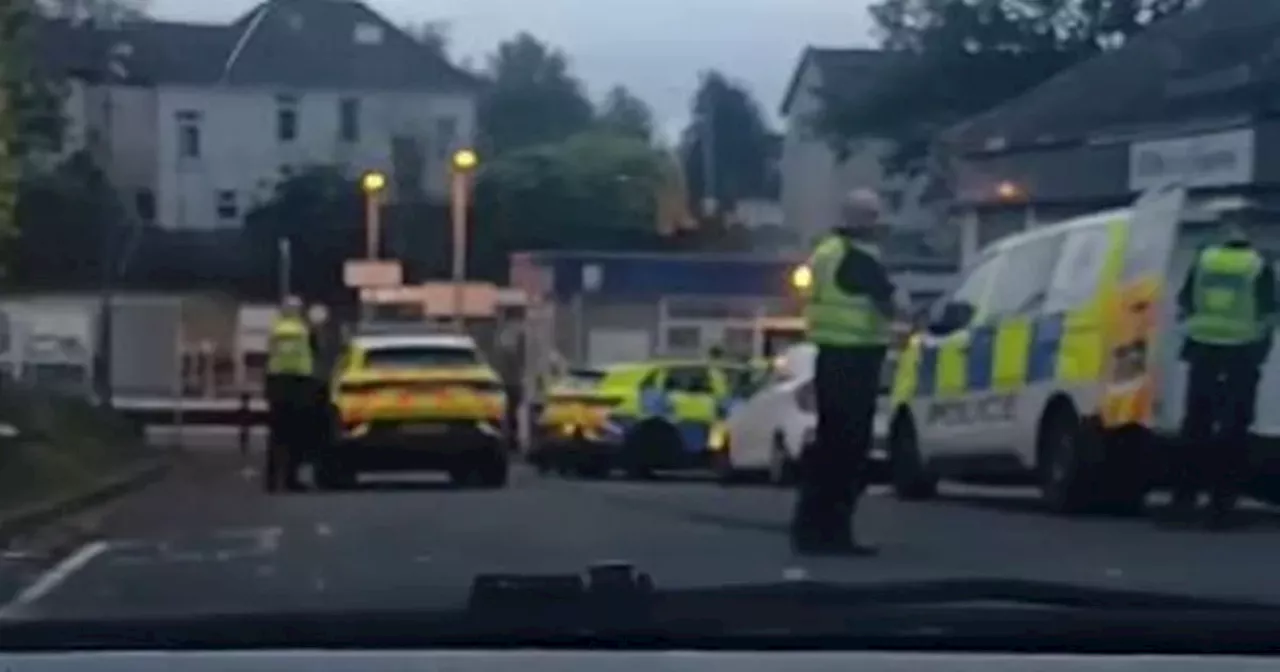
{"x": 655, "y": 47}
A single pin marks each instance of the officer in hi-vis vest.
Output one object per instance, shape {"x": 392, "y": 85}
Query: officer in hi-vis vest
{"x": 291, "y": 386}
{"x": 848, "y": 315}
{"x": 1227, "y": 305}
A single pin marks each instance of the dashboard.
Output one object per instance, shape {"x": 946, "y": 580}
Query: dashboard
{"x": 595, "y": 661}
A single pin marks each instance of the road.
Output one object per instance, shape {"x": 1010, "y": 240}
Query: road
{"x": 206, "y": 539}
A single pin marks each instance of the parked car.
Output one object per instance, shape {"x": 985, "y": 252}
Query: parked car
{"x": 766, "y": 431}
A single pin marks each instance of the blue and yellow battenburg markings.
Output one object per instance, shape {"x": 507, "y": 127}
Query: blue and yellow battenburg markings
{"x": 1064, "y": 347}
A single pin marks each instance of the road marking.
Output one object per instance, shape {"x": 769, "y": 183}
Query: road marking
{"x": 268, "y": 539}
{"x": 323, "y": 530}
{"x": 56, "y": 576}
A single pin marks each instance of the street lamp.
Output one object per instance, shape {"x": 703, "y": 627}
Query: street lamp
{"x": 802, "y": 277}
{"x": 463, "y": 164}
{"x": 372, "y": 183}
{"x": 1009, "y": 191}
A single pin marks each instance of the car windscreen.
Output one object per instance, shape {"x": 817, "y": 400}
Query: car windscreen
{"x": 420, "y": 357}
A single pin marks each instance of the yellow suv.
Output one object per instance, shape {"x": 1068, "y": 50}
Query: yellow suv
{"x": 416, "y": 402}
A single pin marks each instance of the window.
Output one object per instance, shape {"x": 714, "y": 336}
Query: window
{"x": 286, "y": 118}
{"x": 688, "y": 379}
{"x": 367, "y": 33}
{"x": 419, "y": 357}
{"x": 188, "y": 134}
{"x": 227, "y": 206}
{"x": 971, "y": 291}
{"x": 144, "y": 203}
{"x": 1024, "y": 276}
{"x": 1079, "y": 268}
{"x": 742, "y": 381}
{"x": 349, "y": 119}
{"x": 739, "y": 341}
{"x": 684, "y": 339}
{"x": 581, "y": 379}
{"x": 446, "y": 136}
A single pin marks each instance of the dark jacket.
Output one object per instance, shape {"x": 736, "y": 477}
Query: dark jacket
{"x": 1265, "y": 296}
{"x": 861, "y": 273}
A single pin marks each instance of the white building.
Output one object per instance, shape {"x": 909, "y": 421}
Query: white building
{"x": 205, "y": 119}
{"x": 813, "y": 177}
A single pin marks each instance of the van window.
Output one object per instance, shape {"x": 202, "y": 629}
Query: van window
{"x": 1079, "y": 270}
{"x": 1023, "y": 282}
{"x": 971, "y": 290}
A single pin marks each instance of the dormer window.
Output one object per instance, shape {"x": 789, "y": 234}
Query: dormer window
{"x": 368, "y": 33}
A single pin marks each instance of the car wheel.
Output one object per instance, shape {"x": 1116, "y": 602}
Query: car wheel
{"x": 331, "y": 474}
{"x": 1064, "y": 464}
{"x": 493, "y": 474}
{"x": 490, "y": 471}
{"x": 782, "y": 467}
{"x": 648, "y": 439}
{"x": 909, "y": 475}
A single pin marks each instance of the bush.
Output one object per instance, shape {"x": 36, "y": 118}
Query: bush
{"x": 51, "y": 444}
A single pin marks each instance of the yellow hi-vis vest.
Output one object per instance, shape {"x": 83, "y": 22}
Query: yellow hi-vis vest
{"x": 289, "y": 353}
{"x": 1225, "y": 302}
{"x": 832, "y": 317}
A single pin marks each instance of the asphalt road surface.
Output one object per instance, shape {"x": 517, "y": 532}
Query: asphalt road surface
{"x": 206, "y": 539}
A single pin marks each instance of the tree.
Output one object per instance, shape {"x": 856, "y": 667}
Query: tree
{"x": 729, "y": 129}
{"x": 624, "y": 113}
{"x": 319, "y": 210}
{"x": 595, "y": 190}
{"x": 30, "y": 107}
{"x": 533, "y": 99}
{"x": 958, "y": 58}
{"x": 105, "y": 11}
{"x": 71, "y": 202}
{"x": 434, "y": 35}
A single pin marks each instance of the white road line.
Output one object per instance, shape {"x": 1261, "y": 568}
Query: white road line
{"x": 55, "y": 577}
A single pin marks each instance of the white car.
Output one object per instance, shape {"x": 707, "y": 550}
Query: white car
{"x": 766, "y": 432}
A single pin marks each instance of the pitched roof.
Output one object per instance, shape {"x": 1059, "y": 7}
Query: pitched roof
{"x": 845, "y": 70}
{"x": 1209, "y": 63}
{"x": 284, "y": 43}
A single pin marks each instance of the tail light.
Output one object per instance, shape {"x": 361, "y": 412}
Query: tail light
{"x": 806, "y": 398}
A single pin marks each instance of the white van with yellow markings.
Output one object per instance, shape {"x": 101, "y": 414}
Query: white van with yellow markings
{"x": 1047, "y": 361}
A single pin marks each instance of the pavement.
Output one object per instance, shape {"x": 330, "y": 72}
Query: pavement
{"x": 206, "y": 539}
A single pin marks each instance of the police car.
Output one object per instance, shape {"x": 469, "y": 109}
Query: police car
{"x": 416, "y": 400}
{"x": 1055, "y": 360}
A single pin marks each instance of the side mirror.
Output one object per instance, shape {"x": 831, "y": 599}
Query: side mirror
{"x": 954, "y": 316}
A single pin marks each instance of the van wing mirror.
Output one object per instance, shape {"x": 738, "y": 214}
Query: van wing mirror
{"x": 953, "y": 317}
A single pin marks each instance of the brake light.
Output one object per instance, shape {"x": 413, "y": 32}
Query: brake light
{"x": 806, "y": 398}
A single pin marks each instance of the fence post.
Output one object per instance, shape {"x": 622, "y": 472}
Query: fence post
{"x": 246, "y": 422}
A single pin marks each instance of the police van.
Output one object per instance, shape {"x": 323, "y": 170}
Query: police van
{"x": 1054, "y": 359}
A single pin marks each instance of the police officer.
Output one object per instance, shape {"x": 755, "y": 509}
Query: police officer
{"x": 1227, "y": 305}
{"x": 848, "y": 315}
{"x": 290, "y": 394}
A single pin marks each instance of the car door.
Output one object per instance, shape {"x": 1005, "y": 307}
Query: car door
{"x": 1006, "y": 397}
{"x": 691, "y": 392}
{"x": 941, "y": 388}
{"x": 752, "y": 421}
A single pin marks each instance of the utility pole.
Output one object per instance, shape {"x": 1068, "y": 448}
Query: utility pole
{"x": 113, "y": 71}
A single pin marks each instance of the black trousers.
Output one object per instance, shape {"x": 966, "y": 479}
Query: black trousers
{"x": 833, "y": 470}
{"x": 291, "y": 418}
{"x": 1213, "y": 455}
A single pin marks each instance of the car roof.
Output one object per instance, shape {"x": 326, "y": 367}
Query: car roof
{"x": 382, "y": 341}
